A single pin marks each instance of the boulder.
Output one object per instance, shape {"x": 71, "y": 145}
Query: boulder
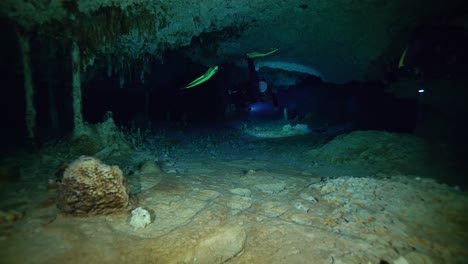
{"x": 90, "y": 187}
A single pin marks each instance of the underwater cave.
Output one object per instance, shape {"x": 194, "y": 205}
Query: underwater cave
{"x": 233, "y": 131}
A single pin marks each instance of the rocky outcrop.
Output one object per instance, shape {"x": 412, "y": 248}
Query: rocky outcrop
{"x": 339, "y": 40}
{"x": 90, "y": 187}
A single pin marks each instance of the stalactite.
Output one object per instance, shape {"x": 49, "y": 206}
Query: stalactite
{"x": 79, "y": 128}
{"x": 30, "y": 113}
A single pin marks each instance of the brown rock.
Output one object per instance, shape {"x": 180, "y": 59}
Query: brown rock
{"x": 90, "y": 187}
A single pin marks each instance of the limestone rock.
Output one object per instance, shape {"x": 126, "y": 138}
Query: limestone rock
{"x": 140, "y": 218}
{"x": 272, "y": 188}
{"x": 90, "y": 187}
{"x": 220, "y": 247}
{"x": 333, "y": 39}
{"x": 150, "y": 167}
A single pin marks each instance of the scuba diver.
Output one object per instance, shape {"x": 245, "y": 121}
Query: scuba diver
{"x": 244, "y": 95}
{"x": 256, "y": 90}
{"x": 435, "y": 52}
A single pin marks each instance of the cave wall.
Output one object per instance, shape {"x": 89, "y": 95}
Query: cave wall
{"x": 340, "y": 40}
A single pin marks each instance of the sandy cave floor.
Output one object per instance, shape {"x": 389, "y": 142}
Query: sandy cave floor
{"x": 256, "y": 202}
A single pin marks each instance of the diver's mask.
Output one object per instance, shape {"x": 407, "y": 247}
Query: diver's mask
{"x": 262, "y": 86}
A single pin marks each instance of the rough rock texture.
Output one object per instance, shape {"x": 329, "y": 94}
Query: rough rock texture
{"x": 150, "y": 167}
{"x": 90, "y": 187}
{"x": 140, "y": 218}
{"x": 101, "y": 140}
{"x": 383, "y": 151}
{"x": 411, "y": 210}
{"x": 219, "y": 248}
{"x": 340, "y": 40}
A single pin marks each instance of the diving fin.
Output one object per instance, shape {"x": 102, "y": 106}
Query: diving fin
{"x": 401, "y": 63}
{"x": 205, "y": 77}
{"x": 256, "y": 54}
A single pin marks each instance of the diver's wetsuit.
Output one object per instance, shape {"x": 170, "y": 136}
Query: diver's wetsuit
{"x": 255, "y": 89}
{"x": 247, "y": 93}
{"x": 437, "y": 52}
